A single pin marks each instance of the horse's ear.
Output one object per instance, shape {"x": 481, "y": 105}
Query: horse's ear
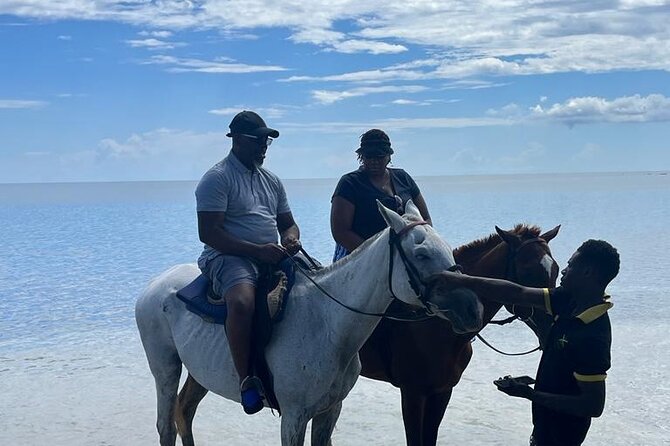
{"x": 550, "y": 234}
{"x": 411, "y": 209}
{"x": 509, "y": 237}
{"x": 392, "y": 219}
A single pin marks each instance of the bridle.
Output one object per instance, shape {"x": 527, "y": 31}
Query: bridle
{"x": 412, "y": 272}
{"x": 511, "y": 272}
{"x": 512, "y": 275}
{"x": 415, "y": 281}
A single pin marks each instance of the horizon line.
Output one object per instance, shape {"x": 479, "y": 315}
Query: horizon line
{"x": 517, "y": 174}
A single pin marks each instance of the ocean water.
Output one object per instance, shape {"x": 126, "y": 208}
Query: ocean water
{"x": 75, "y": 257}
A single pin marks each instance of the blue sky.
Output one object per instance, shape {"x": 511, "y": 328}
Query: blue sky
{"x": 138, "y": 90}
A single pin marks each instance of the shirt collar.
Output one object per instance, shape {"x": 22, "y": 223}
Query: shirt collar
{"x": 237, "y": 164}
{"x": 591, "y": 314}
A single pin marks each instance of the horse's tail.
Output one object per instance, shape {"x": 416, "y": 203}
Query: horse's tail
{"x": 184, "y": 409}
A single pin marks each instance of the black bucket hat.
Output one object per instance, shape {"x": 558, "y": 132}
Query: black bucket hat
{"x": 249, "y": 123}
{"x": 375, "y": 142}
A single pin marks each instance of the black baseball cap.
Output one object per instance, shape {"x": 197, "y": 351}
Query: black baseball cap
{"x": 249, "y": 123}
{"x": 375, "y": 142}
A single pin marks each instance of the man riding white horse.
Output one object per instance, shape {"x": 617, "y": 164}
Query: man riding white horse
{"x": 241, "y": 207}
{"x": 313, "y": 353}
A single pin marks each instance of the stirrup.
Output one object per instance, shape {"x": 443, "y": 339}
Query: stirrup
{"x": 252, "y": 394}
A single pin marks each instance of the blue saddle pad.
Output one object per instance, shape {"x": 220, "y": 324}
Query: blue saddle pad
{"x": 194, "y": 295}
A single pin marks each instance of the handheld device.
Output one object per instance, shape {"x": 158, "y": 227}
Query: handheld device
{"x": 508, "y": 380}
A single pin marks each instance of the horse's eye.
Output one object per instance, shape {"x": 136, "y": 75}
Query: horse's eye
{"x": 422, "y": 257}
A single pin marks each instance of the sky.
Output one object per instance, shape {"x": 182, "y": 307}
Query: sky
{"x": 107, "y": 90}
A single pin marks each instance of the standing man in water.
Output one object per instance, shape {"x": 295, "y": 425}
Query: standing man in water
{"x": 242, "y": 207}
{"x": 570, "y": 381}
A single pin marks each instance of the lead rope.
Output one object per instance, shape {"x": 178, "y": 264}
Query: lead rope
{"x": 505, "y": 353}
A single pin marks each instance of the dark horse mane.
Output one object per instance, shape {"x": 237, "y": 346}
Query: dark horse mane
{"x": 474, "y": 250}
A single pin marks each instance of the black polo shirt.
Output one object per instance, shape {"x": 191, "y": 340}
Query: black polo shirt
{"x": 356, "y": 188}
{"x": 578, "y": 349}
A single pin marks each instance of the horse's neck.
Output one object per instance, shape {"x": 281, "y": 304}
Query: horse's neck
{"x": 361, "y": 283}
{"x": 492, "y": 264}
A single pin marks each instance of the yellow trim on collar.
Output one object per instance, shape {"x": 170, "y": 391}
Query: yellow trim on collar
{"x": 591, "y": 314}
{"x": 590, "y": 378}
{"x": 547, "y": 301}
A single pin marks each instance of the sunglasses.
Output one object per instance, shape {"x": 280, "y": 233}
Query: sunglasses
{"x": 266, "y": 141}
{"x": 374, "y": 157}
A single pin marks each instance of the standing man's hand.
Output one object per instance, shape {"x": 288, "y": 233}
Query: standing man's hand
{"x": 292, "y": 244}
{"x": 271, "y": 253}
{"x": 516, "y": 389}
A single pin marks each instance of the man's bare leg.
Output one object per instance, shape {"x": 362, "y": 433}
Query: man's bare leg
{"x": 240, "y": 300}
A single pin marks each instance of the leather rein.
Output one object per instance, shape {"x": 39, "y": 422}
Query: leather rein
{"x": 512, "y": 275}
{"x": 412, "y": 272}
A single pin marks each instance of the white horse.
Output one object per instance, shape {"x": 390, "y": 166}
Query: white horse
{"x": 313, "y": 351}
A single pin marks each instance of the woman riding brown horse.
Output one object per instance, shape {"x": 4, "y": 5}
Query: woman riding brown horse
{"x": 426, "y": 359}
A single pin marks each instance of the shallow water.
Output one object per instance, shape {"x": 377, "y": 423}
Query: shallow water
{"x": 75, "y": 257}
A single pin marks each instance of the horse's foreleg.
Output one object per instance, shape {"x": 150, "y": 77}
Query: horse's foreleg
{"x": 436, "y": 405}
{"x": 413, "y": 412}
{"x": 187, "y": 403}
{"x": 293, "y": 427}
{"x": 323, "y": 425}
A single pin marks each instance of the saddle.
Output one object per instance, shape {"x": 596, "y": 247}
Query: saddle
{"x": 272, "y": 293}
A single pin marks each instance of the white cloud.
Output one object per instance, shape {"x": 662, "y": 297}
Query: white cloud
{"x": 161, "y": 154}
{"x": 153, "y": 44}
{"x": 514, "y": 37}
{"x": 509, "y": 110}
{"x": 223, "y": 65}
{"x": 332, "y": 96}
{"x": 407, "y": 102}
{"x": 227, "y": 111}
{"x": 398, "y": 124}
{"x": 21, "y": 103}
{"x": 583, "y": 110}
{"x": 425, "y": 102}
{"x": 158, "y": 34}
{"x": 367, "y": 46}
{"x": 368, "y": 76}
{"x": 63, "y": 37}
{"x": 265, "y": 112}
{"x": 472, "y": 84}
{"x": 157, "y": 154}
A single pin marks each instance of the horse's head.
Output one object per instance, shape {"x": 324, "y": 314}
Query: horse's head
{"x": 530, "y": 263}
{"x": 417, "y": 252}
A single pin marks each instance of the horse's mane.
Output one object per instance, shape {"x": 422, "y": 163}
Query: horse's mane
{"x": 474, "y": 250}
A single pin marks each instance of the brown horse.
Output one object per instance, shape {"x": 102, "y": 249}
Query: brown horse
{"x": 426, "y": 359}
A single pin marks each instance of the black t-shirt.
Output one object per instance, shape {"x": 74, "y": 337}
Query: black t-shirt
{"x": 357, "y": 188}
{"x": 578, "y": 348}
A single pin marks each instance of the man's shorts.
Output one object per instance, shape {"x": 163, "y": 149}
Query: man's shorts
{"x": 227, "y": 271}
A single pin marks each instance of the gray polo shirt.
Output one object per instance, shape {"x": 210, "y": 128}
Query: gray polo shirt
{"x": 251, "y": 200}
